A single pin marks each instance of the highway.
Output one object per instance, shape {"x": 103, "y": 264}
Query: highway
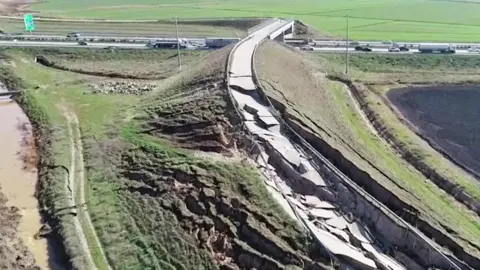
{"x": 382, "y": 50}
{"x": 21, "y": 43}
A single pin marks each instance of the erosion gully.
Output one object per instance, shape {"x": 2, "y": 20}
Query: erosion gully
{"x": 18, "y": 179}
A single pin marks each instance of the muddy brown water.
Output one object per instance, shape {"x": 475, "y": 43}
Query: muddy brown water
{"x": 18, "y": 179}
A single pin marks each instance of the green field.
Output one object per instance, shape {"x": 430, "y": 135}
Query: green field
{"x": 409, "y": 20}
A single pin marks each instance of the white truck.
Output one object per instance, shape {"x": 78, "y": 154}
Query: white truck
{"x": 437, "y": 48}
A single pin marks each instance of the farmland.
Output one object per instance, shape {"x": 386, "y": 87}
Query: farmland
{"x": 165, "y": 188}
{"x": 410, "y": 20}
{"x": 447, "y": 116}
{"x": 352, "y": 116}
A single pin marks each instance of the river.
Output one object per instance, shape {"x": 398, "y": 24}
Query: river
{"x": 18, "y": 178}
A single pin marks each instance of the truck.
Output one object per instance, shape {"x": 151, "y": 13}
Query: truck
{"x": 448, "y": 48}
{"x": 220, "y": 42}
{"x": 167, "y": 44}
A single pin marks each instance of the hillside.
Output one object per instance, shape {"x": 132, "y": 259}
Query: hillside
{"x": 327, "y": 114}
{"x": 168, "y": 183}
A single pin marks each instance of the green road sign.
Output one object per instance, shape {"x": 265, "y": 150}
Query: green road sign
{"x": 29, "y": 25}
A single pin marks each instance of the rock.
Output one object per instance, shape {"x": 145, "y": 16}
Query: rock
{"x": 120, "y": 87}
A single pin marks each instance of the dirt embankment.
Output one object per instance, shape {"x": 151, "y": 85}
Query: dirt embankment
{"x": 385, "y": 132}
{"x": 13, "y": 7}
{"x": 226, "y": 221}
{"x": 292, "y": 106}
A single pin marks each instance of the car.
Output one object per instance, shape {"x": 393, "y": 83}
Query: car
{"x": 358, "y": 48}
{"x": 83, "y": 43}
{"x": 306, "y": 48}
{"x": 394, "y": 49}
{"x": 387, "y": 42}
{"x": 73, "y": 34}
{"x": 367, "y": 49}
{"x": 474, "y": 49}
{"x": 404, "y": 49}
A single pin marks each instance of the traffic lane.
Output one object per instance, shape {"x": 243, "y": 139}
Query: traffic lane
{"x": 383, "y": 50}
{"x": 241, "y": 64}
{"x": 69, "y": 44}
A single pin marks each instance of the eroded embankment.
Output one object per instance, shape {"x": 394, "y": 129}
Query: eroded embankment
{"x": 404, "y": 240}
{"x": 449, "y": 186}
{"x": 49, "y": 199}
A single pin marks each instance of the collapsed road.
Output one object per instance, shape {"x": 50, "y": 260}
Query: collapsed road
{"x": 315, "y": 193}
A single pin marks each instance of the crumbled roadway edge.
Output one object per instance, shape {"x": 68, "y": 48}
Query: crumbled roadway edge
{"x": 76, "y": 180}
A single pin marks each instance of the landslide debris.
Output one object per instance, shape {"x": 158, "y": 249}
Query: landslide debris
{"x": 119, "y": 87}
{"x": 190, "y": 211}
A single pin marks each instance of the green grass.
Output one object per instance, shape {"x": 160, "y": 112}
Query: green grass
{"x": 408, "y": 20}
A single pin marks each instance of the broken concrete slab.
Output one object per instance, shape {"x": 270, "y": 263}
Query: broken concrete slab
{"x": 269, "y": 121}
{"x": 338, "y": 233}
{"x": 387, "y": 261}
{"x": 315, "y": 202}
{"x": 314, "y": 177}
{"x": 359, "y": 232}
{"x": 305, "y": 165}
{"x": 275, "y": 129}
{"x": 244, "y": 83}
{"x": 338, "y": 247}
{"x": 321, "y": 213}
{"x": 247, "y": 116}
{"x": 338, "y": 222}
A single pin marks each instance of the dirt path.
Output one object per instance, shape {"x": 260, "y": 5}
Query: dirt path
{"x": 76, "y": 180}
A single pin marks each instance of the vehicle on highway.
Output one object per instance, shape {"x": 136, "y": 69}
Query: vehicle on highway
{"x": 306, "y": 48}
{"x": 474, "y": 49}
{"x": 167, "y": 44}
{"x": 220, "y": 42}
{"x": 83, "y": 43}
{"x": 437, "y": 48}
{"x": 387, "y": 42}
{"x": 73, "y": 35}
{"x": 404, "y": 49}
{"x": 394, "y": 49}
{"x": 362, "y": 49}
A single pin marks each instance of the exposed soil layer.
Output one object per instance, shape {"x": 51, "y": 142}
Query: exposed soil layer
{"x": 448, "y": 116}
{"x": 13, "y": 253}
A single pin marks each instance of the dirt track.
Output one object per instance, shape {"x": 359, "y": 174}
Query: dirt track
{"x": 11, "y": 7}
{"x": 76, "y": 180}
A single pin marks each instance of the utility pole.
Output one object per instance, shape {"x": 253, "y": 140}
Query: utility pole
{"x": 178, "y": 43}
{"x": 346, "y": 51}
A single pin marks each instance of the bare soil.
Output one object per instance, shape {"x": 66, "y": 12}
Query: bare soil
{"x": 447, "y": 115}
{"x": 13, "y": 7}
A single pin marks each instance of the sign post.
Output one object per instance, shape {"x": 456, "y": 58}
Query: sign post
{"x": 29, "y": 25}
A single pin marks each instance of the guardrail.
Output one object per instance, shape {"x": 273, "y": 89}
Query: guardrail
{"x": 351, "y": 184}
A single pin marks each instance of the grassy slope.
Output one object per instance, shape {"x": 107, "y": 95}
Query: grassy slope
{"x": 461, "y": 70}
{"x": 155, "y": 64}
{"x": 369, "y": 19}
{"x": 139, "y": 231}
{"x": 329, "y": 111}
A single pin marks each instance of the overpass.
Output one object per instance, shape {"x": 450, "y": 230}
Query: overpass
{"x": 343, "y": 237}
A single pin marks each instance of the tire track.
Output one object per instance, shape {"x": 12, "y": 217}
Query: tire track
{"x": 76, "y": 179}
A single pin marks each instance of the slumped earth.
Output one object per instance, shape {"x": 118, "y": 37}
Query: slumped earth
{"x": 447, "y": 116}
